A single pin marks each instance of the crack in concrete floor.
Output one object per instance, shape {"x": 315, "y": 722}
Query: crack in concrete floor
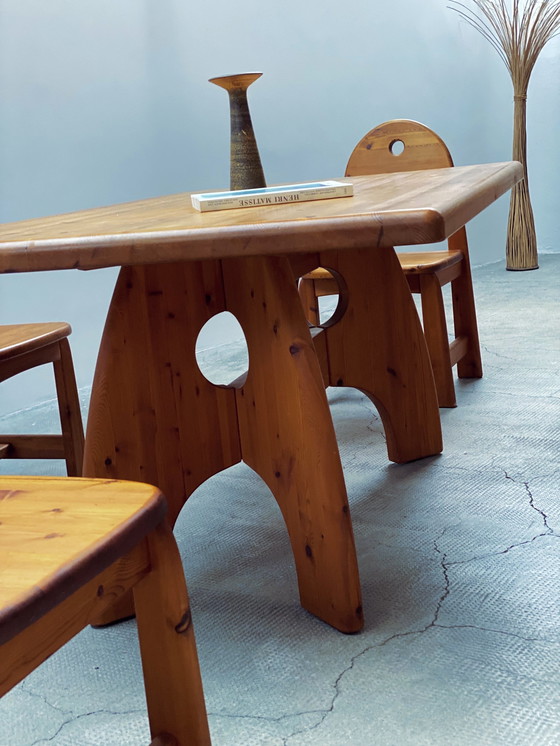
{"x": 70, "y": 716}
{"x": 433, "y": 624}
{"x": 322, "y": 714}
{"x": 337, "y": 684}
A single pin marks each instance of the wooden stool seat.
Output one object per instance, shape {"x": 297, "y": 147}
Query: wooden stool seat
{"x": 68, "y": 549}
{"x": 413, "y": 262}
{"x": 428, "y": 261}
{"x": 26, "y": 346}
{"x": 17, "y": 339}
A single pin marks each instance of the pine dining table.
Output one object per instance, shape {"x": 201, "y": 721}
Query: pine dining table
{"x": 153, "y": 415}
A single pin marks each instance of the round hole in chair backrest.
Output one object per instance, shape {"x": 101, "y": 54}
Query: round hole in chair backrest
{"x": 396, "y": 147}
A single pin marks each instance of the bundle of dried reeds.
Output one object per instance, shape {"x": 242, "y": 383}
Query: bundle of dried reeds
{"x": 518, "y": 35}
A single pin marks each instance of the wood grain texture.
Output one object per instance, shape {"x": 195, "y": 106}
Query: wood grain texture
{"x": 27, "y": 445}
{"x": 17, "y": 339}
{"x": 424, "y": 150}
{"x": 386, "y": 210}
{"x": 69, "y": 410}
{"x": 378, "y": 347}
{"x": 155, "y": 417}
{"x": 23, "y": 650}
{"x": 287, "y": 436}
{"x": 403, "y": 145}
{"x": 167, "y": 645}
{"x": 26, "y": 346}
{"x": 396, "y": 146}
{"x": 68, "y": 549}
{"x": 75, "y": 531}
{"x": 417, "y": 262}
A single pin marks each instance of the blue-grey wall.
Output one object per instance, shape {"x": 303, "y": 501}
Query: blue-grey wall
{"x": 105, "y": 101}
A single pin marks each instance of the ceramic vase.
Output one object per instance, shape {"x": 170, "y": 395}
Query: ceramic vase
{"x": 246, "y": 170}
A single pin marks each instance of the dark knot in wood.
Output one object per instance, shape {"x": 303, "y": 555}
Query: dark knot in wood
{"x": 184, "y": 624}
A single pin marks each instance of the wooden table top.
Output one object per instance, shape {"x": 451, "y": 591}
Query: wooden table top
{"x": 386, "y": 210}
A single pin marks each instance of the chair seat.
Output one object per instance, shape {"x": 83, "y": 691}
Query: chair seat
{"x": 72, "y": 548}
{"x": 57, "y": 534}
{"x": 17, "y": 339}
{"x": 419, "y": 262}
{"x": 412, "y": 262}
{"x": 27, "y": 346}
{"x": 318, "y": 274}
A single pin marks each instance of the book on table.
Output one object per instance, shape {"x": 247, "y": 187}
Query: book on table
{"x": 275, "y": 195}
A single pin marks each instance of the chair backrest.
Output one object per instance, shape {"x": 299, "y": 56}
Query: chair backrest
{"x": 398, "y": 145}
{"x": 403, "y": 145}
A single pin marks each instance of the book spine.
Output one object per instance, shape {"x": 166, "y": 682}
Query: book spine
{"x": 279, "y": 198}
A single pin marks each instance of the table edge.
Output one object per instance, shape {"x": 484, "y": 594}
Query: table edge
{"x": 362, "y": 230}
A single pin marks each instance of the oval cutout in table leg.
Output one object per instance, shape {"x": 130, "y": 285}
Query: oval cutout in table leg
{"x": 222, "y": 354}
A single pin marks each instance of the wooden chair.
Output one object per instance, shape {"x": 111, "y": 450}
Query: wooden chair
{"x": 68, "y": 548}
{"x": 25, "y": 346}
{"x": 426, "y": 271}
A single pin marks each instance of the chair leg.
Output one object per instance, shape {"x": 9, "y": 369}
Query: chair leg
{"x": 174, "y": 694}
{"x": 164, "y": 740}
{"x": 69, "y": 409}
{"x": 435, "y": 331}
{"x": 309, "y": 301}
{"x": 464, "y": 315}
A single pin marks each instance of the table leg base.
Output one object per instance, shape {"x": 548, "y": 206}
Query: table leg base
{"x": 287, "y": 437}
{"x": 377, "y": 345}
{"x": 154, "y": 417}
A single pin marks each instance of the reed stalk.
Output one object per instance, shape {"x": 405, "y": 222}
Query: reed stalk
{"x": 518, "y": 30}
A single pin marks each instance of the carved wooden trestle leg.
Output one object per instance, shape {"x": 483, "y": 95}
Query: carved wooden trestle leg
{"x": 375, "y": 343}
{"x": 154, "y": 417}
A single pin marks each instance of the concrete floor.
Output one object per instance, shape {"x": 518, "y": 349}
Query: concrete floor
{"x": 459, "y": 565}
